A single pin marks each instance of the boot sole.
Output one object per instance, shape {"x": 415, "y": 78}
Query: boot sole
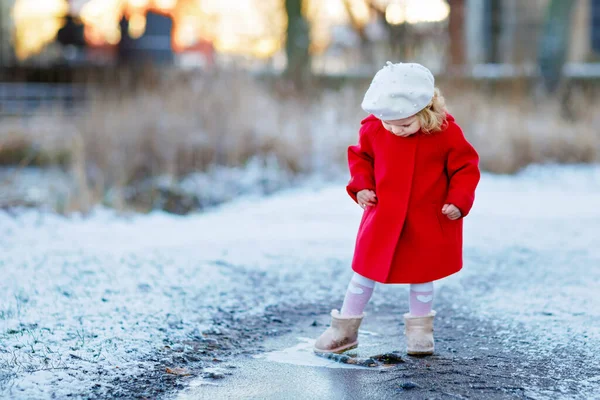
{"x": 339, "y": 350}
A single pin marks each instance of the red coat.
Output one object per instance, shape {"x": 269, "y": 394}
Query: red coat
{"x": 405, "y": 238}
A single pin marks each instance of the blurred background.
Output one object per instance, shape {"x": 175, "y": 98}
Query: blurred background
{"x": 184, "y": 104}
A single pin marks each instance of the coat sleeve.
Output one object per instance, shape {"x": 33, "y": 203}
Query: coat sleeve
{"x": 360, "y": 162}
{"x": 462, "y": 166}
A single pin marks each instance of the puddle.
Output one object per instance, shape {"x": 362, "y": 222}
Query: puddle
{"x": 302, "y": 354}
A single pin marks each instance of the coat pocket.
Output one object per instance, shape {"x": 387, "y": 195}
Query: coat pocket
{"x": 449, "y": 228}
{"x": 425, "y": 223}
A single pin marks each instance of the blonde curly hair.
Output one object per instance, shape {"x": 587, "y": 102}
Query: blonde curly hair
{"x": 433, "y": 117}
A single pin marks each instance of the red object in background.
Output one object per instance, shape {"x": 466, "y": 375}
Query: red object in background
{"x": 405, "y": 238}
{"x": 204, "y": 48}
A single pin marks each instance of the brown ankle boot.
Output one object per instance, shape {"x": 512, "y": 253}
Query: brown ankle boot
{"x": 419, "y": 334}
{"x": 341, "y": 336}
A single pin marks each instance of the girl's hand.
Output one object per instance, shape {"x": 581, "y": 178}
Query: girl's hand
{"x": 366, "y": 198}
{"x": 451, "y": 211}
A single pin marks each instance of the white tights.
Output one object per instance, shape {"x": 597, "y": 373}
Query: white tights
{"x": 360, "y": 290}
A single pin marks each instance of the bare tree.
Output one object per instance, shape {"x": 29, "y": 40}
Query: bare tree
{"x": 359, "y": 28}
{"x": 297, "y": 44}
{"x": 456, "y": 28}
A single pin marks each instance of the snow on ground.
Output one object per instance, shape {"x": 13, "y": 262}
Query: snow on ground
{"x": 544, "y": 230}
{"x": 84, "y": 300}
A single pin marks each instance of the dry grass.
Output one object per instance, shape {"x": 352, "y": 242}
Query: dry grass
{"x": 188, "y": 122}
{"x": 513, "y": 129}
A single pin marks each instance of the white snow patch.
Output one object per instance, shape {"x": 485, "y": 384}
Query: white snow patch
{"x": 369, "y": 333}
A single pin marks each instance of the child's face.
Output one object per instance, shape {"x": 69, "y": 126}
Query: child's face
{"x": 403, "y": 127}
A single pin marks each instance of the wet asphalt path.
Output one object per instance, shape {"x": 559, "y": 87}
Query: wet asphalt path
{"x": 474, "y": 359}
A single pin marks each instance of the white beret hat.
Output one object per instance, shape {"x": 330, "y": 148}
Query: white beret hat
{"x": 399, "y": 91}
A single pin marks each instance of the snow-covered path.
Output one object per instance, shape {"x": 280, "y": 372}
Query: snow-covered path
{"x": 87, "y": 304}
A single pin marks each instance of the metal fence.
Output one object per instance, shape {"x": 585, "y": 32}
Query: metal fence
{"x": 24, "y": 99}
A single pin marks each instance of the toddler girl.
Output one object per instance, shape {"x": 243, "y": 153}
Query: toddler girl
{"x": 414, "y": 174}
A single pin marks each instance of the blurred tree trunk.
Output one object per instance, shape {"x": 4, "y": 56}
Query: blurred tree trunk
{"x": 366, "y": 50}
{"x": 360, "y": 29}
{"x": 399, "y": 41}
{"x": 297, "y": 44}
{"x": 456, "y": 30}
{"x": 401, "y": 38}
{"x": 552, "y": 52}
